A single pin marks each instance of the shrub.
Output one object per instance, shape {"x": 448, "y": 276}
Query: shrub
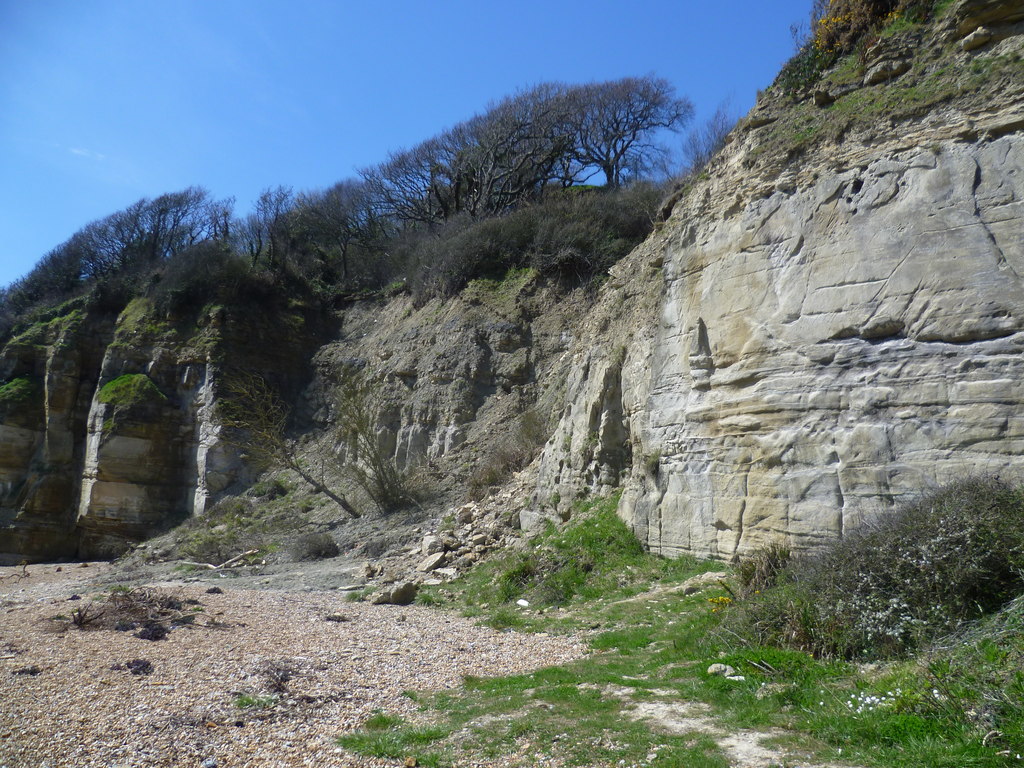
{"x": 528, "y": 435}
{"x": 315, "y": 546}
{"x": 839, "y": 27}
{"x": 19, "y": 392}
{"x": 270, "y": 489}
{"x": 761, "y": 570}
{"x": 903, "y": 579}
{"x": 574, "y": 233}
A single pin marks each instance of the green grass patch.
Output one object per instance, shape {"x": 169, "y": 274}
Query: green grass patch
{"x": 389, "y": 737}
{"x": 20, "y": 392}
{"x": 130, "y": 390}
{"x": 593, "y": 557}
{"x": 248, "y": 701}
{"x": 652, "y": 646}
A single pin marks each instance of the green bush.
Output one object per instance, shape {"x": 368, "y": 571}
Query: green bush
{"x": 571, "y": 234}
{"x": 901, "y": 580}
{"x": 761, "y": 570}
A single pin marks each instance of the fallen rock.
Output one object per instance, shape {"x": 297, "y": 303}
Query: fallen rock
{"x": 721, "y": 670}
{"x": 703, "y": 581}
{"x": 822, "y": 98}
{"x": 431, "y": 562}
{"x": 431, "y": 545}
{"x": 977, "y": 38}
{"x": 401, "y": 594}
{"x": 887, "y": 69}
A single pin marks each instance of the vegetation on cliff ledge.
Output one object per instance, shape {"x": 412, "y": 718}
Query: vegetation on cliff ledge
{"x": 507, "y": 188}
{"x": 130, "y": 390}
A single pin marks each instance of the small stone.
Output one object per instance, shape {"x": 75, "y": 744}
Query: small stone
{"x": 523, "y": 603}
{"x": 209, "y": 763}
{"x": 215, "y": 591}
{"x": 723, "y": 670}
{"x": 735, "y": 678}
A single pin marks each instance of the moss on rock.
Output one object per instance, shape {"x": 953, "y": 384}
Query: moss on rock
{"x": 130, "y": 390}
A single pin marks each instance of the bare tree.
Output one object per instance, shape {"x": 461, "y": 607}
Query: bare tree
{"x": 704, "y": 141}
{"x": 338, "y": 219}
{"x": 264, "y": 233}
{"x": 256, "y": 419}
{"x": 373, "y": 468}
{"x": 615, "y": 124}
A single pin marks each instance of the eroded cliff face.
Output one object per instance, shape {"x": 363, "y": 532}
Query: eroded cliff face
{"x": 87, "y": 467}
{"x": 819, "y": 330}
{"x": 830, "y": 351}
{"x": 834, "y": 335}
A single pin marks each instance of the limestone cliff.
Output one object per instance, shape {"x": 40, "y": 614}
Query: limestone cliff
{"x": 839, "y": 325}
{"x": 113, "y": 437}
{"x": 830, "y": 319}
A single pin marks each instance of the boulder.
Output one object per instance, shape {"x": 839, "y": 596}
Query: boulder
{"x": 398, "y": 594}
{"x": 431, "y": 562}
{"x": 431, "y": 545}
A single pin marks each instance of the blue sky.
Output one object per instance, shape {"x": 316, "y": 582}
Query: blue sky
{"x": 107, "y": 101}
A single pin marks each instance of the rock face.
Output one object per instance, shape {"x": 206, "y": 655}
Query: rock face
{"x": 832, "y": 336}
{"x": 831, "y": 350}
{"x": 83, "y": 475}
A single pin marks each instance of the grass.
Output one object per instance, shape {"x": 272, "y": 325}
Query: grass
{"x": 130, "y": 390}
{"x": 652, "y": 645}
{"x": 22, "y": 392}
{"x": 51, "y": 326}
{"x": 248, "y": 701}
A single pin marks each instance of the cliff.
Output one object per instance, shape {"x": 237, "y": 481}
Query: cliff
{"x": 839, "y": 321}
{"x": 829, "y": 320}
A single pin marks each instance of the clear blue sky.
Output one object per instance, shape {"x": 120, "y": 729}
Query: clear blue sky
{"x": 107, "y": 101}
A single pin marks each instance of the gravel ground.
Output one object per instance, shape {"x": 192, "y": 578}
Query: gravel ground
{"x": 69, "y": 700}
